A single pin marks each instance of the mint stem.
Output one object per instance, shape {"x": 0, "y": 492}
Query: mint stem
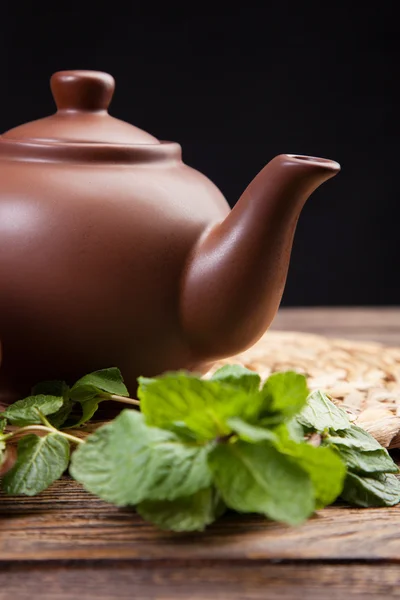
{"x": 52, "y": 429}
{"x": 44, "y": 420}
{"x": 125, "y": 400}
{"x": 17, "y": 432}
{"x": 70, "y": 437}
{"x": 47, "y": 428}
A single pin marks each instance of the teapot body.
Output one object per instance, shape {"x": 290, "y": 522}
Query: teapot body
{"x": 114, "y": 253}
{"x": 91, "y": 259}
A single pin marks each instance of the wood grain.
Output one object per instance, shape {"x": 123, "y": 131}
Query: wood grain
{"x": 66, "y": 544}
{"x": 212, "y": 581}
{"x": 65, "y": 522}
{"x": 374, "y": 324}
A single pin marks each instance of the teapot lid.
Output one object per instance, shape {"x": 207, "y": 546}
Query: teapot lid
{"x": 82, "y": 99}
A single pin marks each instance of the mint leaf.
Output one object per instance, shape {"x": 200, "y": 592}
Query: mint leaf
{"x": 283, "y": 395}
{"x": 51, "y": 388}
{"x": 2, "y": 451}
{"x": 25, "y": 412}
{"x": 105, "y": 383}
{"x": 89, "y": 407}
{"x": 321, "y": 414}
{"x": 202, "y": 405}
{"x": 126, "y": 462}
{"x": 41, "y": 460}
{"x": 185, "y": 434}
{"x": 380, "y": 490}
{"x": 257, "y": 478}
{"x": 375, "y": 461}
{"x": 56, "y": 388}
{"x": 326, "y": 469}
{"x": 251, "y": 433}
{"x": 295, "y": 430}
{"x": 92, "y": 389}
{"x": 190, "y": 513}
{"x": 238, "y": 376}
{"x": 356, "y": 439}
{"x": 361, "y": 452}
{"x": 60, "y": 418}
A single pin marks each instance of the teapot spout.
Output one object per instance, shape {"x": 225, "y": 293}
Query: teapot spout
{"x": 236, "y": 275}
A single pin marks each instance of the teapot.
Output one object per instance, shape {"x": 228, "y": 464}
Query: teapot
{"x": 113, "y": 252}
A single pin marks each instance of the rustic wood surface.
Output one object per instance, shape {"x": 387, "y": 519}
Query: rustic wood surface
{"x": 379, "y": 325}
{"x": 66, "y": 544}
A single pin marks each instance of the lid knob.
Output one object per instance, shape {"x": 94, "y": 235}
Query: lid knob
{"x": 82, "y": 90}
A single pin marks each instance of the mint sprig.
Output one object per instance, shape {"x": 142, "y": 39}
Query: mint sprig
{"x": 198, "y": 446}
{"x": 248, "y": 458}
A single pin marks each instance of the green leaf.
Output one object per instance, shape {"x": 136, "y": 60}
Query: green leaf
{"x": 375, "y": 461}
{"x": 361, "y": 452}
{"x": 251, "y": 433}
{"x": 60, "y": 418}
{"x": 355, "y": 438}
{"x": 2, "y": 451}
{"x": 202, "y": 405}
{"x": 325, "y": 468}
{"x": 190, "y": 513}
{"x": 3, "y": 424}
{"x": 105, "y": 382}
{"x": 126, "y": 462}
{"x": 283, "y": 396}
{"x": 92, "y": 389}
{"x": 185, "y": 434}
{"x": 40, "y": 462}
{"x": 239, "y": 377}
{"x": 381, "y": 490}
{"x": 89, "y": 408}
{"x": 56, "y": 388}
{"x": 257, "y": 478}
{"x": 295, "y": 430}
{"x": 25, "y": 412}
{"x": 321, "y": 414}
{"x": 51, "y": 388}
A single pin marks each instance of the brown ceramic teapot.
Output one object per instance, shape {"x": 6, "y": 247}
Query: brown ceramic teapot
{"x": 113, "y": 252}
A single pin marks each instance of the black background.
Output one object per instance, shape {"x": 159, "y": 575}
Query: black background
{"x": 236, "y": 87}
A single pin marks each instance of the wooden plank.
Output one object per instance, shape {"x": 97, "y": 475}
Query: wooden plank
{"x": 67, "y": 523}
{"x": 374, "y": 324}
{"x": 66, "y": 544}
{"x": 175, "y": 581}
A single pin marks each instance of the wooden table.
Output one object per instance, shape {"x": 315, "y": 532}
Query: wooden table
{"x": 67, "y": 545}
